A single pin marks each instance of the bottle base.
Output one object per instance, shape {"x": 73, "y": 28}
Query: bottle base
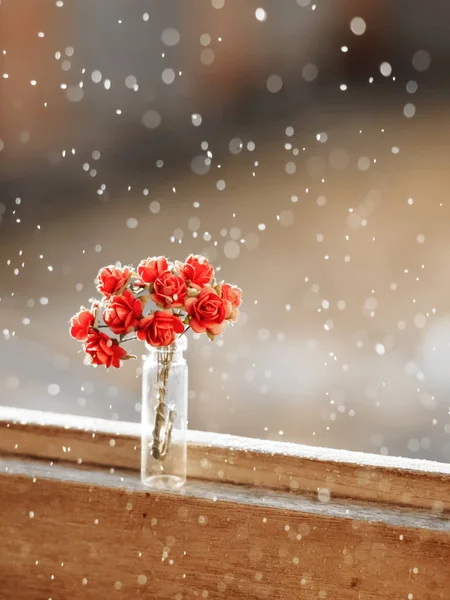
{"x": 163, "y": 482}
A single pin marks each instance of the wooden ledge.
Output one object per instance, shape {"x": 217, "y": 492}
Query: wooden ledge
{"x": 326, "y": 473}
{"x": 29, "y": 470}
{"x": 302, "y": 522}
{"x": 76, "y": 533}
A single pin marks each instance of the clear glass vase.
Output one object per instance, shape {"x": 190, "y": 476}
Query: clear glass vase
{"x": 164, "y": 416}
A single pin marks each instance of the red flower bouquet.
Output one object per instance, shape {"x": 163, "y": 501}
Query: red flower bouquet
{"x": 184, "y": 295}
{"x": 157, "y": 303}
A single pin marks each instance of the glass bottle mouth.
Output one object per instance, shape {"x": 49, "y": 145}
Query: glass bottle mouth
{"x": 179, "y": 345}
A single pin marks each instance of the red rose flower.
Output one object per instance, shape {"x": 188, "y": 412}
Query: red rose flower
{"x": 112, "y": 279}
{"x": 149, "y": 269}
{"x": 196, "y": 271}
{"x": 81, "y": 323}
{"x": 169, "y": 290}
{"x": 234, "y": 295}
{"x": 102, "y": 350}
{"x": 208, "y": 312}
{"x": 123, "y": 313}
{"x": 160, "y": 328}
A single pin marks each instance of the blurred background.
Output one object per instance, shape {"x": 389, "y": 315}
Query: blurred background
{"x": 304, "y": 147}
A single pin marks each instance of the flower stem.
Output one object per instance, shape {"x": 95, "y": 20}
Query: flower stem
{"x": 160, "y": 447}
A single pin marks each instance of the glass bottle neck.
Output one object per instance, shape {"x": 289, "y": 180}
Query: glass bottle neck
{"x": 173, "y": 352}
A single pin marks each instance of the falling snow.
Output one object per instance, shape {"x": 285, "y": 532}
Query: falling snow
{"x": 313, "y": 176}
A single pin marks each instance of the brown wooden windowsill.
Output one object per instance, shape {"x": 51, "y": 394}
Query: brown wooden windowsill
{"x": 231, "y": 459}
{"x": 256, "y": 520}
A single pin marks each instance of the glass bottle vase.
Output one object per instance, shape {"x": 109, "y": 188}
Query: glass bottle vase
{"x": 164, "y": 416}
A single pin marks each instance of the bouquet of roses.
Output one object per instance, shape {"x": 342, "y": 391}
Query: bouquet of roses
{"x": 157, "y": 303}
{"x": 184, "y": 295}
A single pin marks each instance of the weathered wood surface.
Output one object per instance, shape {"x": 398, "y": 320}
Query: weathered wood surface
{"x": 80, "y": 534}
{"x": 230, "y": 459}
